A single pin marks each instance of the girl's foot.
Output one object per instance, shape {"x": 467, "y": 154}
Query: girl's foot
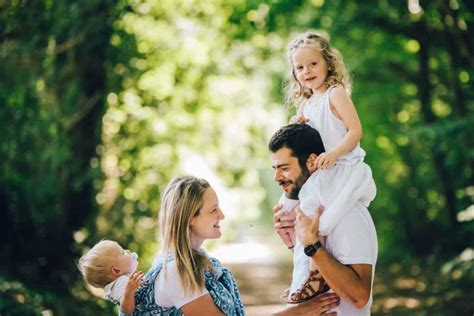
{"x": 312, "y": 286}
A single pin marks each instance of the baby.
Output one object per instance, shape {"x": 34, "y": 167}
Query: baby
{"x": 107, "y": 265}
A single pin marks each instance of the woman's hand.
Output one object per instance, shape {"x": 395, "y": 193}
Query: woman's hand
{"x": 318, "y": 305}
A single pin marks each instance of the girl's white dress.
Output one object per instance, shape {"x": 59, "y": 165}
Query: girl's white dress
{"x": 338, "y": 188}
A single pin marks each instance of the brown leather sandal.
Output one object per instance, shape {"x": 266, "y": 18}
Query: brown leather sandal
{"x": 306, "y": 291}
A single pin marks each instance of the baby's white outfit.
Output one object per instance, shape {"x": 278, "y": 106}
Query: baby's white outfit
{"x": 114, "y": 291}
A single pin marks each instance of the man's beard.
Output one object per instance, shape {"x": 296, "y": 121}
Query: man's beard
{"x": 297, "y": 184}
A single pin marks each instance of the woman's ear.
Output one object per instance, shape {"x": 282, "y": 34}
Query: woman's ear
{"x": 311, "y": 162}
{"x": 192, "y": 221}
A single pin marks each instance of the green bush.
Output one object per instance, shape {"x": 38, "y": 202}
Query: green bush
{"x": 16, "y": 299}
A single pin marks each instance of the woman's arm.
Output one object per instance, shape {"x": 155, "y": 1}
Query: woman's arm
{"x": 203, "y": 305}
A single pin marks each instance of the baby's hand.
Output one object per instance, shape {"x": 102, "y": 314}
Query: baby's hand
{"x": 298, "y": 119}
{"x": 134, "y": 281}
{"x": 326, "y": 160}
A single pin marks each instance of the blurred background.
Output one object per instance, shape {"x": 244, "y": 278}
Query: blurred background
{"x": 102, "y": 102}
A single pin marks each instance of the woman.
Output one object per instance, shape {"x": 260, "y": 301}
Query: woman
{"x": 184, "y": 279}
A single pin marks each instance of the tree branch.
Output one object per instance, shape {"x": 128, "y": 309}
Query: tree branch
{"x": 73, "y": 120}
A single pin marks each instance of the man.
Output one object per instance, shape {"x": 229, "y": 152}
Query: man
{"x": 347, "y": 262}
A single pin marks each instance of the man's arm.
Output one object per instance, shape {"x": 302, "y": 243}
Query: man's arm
{"x": 351, "y": 282}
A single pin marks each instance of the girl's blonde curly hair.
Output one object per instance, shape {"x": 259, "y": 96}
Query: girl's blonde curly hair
{"x": 295, "y": 92}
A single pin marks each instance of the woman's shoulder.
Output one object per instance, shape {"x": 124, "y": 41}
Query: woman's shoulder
{"x": 213, "y": 260}
{"x": 166, "y": 275}
{"x": 170, "y": 267}
{"x": 159, "y": 265}
{"x": 158, "y": 261}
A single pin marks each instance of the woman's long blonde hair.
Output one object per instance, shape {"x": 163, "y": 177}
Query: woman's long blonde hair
{"x": 181, "y": 201}
{"x": 338, "y": 74}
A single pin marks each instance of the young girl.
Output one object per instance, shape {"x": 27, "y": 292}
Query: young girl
{"x": 320, "y": 86}
{"x": 107, "y": 265}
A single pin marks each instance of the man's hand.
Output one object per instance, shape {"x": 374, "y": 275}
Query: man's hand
{"x": 284, "y": 225}
{"x": 307, "y": 228}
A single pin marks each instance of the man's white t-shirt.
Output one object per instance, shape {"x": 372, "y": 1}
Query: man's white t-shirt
{"x": 352, "y": 241}
{"x": 168, "y": 290}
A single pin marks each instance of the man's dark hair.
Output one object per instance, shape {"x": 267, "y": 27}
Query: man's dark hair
{"x": 302, "y": 139}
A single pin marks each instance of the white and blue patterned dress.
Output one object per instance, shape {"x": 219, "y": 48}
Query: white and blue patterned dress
{"x": 221, "y": 286}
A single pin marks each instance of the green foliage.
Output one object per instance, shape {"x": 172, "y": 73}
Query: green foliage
{"x": 423, "y": 286}
{"x": 51, "y": 93}
{"x": 15, "y": 299}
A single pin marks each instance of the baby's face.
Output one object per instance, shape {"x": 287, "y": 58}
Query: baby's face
{"x": 127, "y": 261}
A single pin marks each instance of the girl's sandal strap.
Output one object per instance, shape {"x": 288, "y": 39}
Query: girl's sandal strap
{"x": 307, "y": 291}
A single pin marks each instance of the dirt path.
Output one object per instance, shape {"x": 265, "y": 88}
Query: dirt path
{"x": 262, "y": 268}
{"x": 399, "y": 290}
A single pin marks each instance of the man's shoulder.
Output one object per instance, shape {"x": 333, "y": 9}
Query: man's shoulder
{"x": 314, "y": 182}
{"x": 358, "y": 218}
{"x": 354, "y": 239}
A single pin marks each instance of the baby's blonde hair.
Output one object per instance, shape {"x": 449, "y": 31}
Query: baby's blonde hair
{"x": 96, "y": 264}
{"x": 338, "y": 74}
